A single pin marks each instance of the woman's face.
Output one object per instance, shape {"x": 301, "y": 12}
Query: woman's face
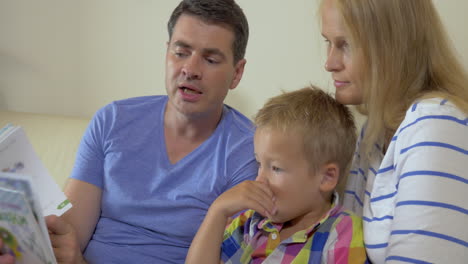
{"x": 341, "y": 62}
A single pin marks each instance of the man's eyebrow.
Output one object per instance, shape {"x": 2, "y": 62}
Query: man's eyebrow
{"x": 209, "y": 51}
{"x": 180, "y": 43}
{"x": 214, "y": 51}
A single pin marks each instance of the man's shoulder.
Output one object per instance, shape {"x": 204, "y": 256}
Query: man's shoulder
{"x": 133, "y": 105}
{"x": 140, "y": 101}
{"x": 238, "y": 121}
{"x": 120, "y": 112}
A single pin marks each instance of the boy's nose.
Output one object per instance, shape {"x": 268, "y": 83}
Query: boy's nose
{"x": 261, "y": 177}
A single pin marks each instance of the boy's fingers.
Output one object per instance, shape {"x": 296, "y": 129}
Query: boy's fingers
{"x": 264, "y": 196}
{"x": 265, "y": 188}
{"x": 261, "y": 202}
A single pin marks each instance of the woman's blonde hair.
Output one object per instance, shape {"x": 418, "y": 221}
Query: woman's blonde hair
{"x": 406, "y": 55}
{"x": 326, "y": 127}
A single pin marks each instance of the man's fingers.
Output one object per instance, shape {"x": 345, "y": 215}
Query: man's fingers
{"x": 57, "y": 226}
{"x": 7, "y": 259}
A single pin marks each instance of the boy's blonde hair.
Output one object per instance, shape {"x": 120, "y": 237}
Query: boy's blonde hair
{"x": 326, "y": 126}
{"x": 406, "y": 56}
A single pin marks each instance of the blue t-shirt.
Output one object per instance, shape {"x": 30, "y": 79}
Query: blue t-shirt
{"x": 151, "y": 209}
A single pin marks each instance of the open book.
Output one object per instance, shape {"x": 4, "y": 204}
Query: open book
{"x": 27, "y": 194}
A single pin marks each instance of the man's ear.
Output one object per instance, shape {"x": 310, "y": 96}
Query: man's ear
{"x": 238, "y": 72}
{"x": 330, "y": 174}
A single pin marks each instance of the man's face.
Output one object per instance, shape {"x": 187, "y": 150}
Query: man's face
{"x": 200, "y": 67}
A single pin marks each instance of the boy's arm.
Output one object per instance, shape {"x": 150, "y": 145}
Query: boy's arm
{"x": 206, "y": 246}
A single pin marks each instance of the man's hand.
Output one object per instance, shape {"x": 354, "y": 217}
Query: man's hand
{"x": 5, "y": 258}
{"x": 64, "y": 241}
{"x": 253, "y": 195}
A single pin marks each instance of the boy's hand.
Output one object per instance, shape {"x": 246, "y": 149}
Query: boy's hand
{"x": 64, "y": 240}
{"x": 253, "y": 195}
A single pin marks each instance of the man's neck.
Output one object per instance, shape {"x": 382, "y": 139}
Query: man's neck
{"x": 183, "y": 133}
{"x": 194, "y": 127}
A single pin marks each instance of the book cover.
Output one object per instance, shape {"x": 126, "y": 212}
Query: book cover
{"x": 24, "y": 235}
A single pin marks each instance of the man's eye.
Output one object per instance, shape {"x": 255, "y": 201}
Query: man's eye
{"x": 180, "y": 54}
{"x": 211, "y": 61}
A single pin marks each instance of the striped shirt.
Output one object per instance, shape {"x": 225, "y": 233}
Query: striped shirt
{"x": 337, "y": 238}
{"x": 413, "y": 199}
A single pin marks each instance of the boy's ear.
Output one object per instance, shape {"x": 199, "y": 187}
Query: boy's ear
{"x": 329, "y": 174}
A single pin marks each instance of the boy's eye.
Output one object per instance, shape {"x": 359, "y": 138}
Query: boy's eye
{"x": 275, "y": 169}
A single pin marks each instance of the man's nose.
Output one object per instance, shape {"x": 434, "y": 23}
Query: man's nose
{"x": 192, "y": 68}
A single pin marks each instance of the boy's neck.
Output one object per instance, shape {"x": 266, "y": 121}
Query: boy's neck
{"x": 305, "y": 221}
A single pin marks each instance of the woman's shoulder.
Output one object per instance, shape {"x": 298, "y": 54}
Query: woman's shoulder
{"x": 434, "y": 108}
{"x": 433, "y": 119}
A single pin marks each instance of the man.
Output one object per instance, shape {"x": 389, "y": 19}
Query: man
{"x": 148, "y": 168}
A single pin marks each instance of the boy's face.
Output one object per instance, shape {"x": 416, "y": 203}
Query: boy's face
{"x": 284, "y": 167}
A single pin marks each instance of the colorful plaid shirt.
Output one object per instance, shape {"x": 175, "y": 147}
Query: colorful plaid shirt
{"x": 337, "y": 238}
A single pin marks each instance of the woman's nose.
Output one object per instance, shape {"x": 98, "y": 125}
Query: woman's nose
{"x": 334, "y": 60}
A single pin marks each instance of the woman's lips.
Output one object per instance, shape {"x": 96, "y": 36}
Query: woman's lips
{"x": 339, "y": 84}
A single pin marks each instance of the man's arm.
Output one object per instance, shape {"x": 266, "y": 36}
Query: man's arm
{"x": 71, "y": 232}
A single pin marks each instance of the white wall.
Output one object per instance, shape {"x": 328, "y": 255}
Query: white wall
{"x": 71, "y": 57}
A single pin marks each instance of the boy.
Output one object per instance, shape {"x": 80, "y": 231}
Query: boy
{"x": 303, "y": 142}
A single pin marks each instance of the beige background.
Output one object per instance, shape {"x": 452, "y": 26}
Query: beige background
{"x": 63, "y": 59}
{"x": 71, "y": 57}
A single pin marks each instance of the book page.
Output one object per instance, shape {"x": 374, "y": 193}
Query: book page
{"x": 18, "y": 156}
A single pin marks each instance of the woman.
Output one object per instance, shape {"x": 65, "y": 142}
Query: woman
{"x": 409, "y": 177}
